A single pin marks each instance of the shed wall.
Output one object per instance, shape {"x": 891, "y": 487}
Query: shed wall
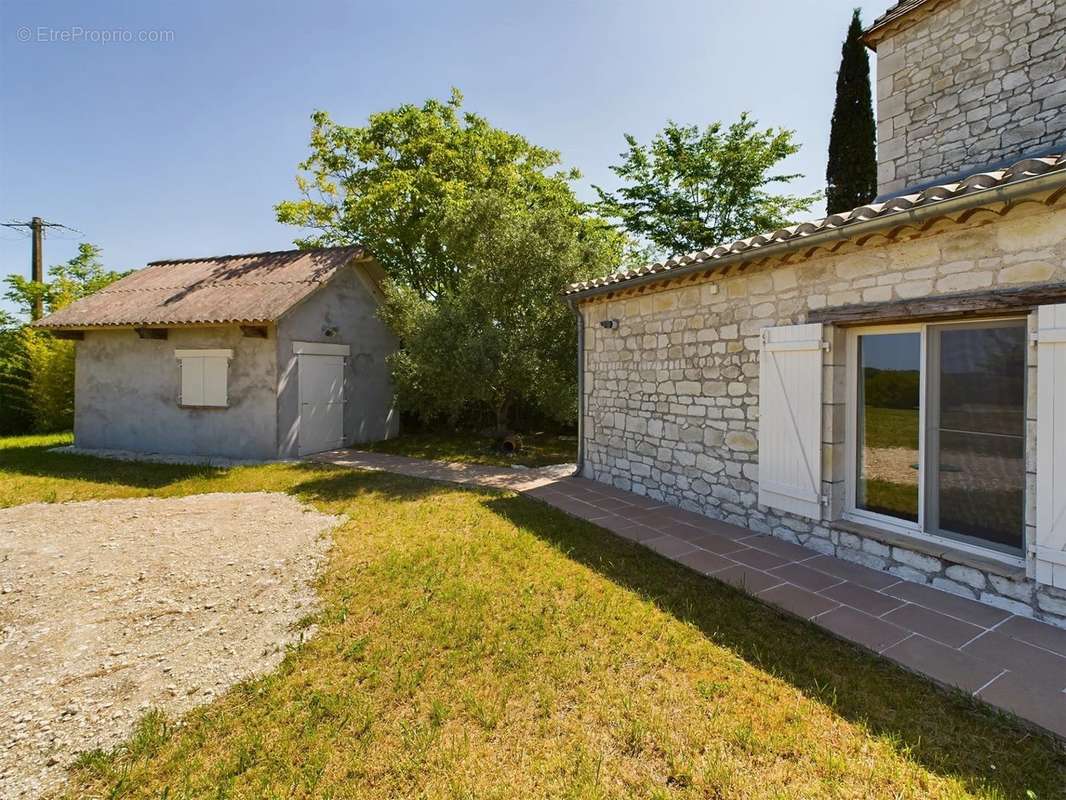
{"x": 127, "y": 389}
{"x": 347, "y": 305}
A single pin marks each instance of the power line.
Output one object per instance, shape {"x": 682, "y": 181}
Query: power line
{"x": 37, "y": 227}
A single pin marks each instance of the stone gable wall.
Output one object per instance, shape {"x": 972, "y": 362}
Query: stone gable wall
{"x": 972, "y": 83}
{"x": 672, "y": 393}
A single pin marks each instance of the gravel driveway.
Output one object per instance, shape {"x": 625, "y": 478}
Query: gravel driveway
{"x": 108, "y": 608}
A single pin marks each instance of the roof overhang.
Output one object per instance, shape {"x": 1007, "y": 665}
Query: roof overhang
{"x": 134, "y": 326}
{"x": 1007, "y": 193}
{"x": 892, "y": 20}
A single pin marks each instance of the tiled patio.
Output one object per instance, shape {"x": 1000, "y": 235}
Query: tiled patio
{"x": 1011, "y": 662}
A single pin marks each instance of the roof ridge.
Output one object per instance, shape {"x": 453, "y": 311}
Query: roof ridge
{"x": 215, "y": 284}
{"x": 254, "y": 255}
{"x": 975, "y": 183}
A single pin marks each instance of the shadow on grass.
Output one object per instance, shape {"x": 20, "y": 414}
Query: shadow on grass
{"x": 947, "y": 732}
{"x": 36, "y": 460}
{"x": 333, "y": 484}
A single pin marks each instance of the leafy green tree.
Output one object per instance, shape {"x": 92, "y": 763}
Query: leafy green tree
{"x": 498, "y": 336}
{"x": 395, "y": 183}
{"x": 36, "y": 369}
{"x": 851, "y": 175}
{"x": 690, "y": 189}
{"x": 479, "y": 231}
{"x": 79, "y": 277}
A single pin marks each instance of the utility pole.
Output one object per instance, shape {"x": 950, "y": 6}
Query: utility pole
{"x": 37, "y": 264}
{"x": 37, "y": 226}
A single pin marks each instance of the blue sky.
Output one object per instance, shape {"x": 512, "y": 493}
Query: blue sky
{"x": 169, "y": 149}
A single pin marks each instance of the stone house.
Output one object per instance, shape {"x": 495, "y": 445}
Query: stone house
{"x": 886, "y": 385}
{"x": 258, "y": 356}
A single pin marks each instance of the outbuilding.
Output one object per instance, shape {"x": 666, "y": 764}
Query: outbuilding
{"x": 256, "y": 356}
{"x": 885, "y": 385}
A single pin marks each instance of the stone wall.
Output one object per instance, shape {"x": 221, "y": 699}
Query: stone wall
{"x": 672, "y": 393}
{"x": 971, "y": 83}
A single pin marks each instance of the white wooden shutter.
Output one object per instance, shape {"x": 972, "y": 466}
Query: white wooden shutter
{"x": 204, "y": 377}
{"x": 1051, "y": 446}
{"x": 790, "y": 419}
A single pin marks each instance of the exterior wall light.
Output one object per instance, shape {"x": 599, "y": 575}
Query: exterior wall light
{"x": 610, "y": 324}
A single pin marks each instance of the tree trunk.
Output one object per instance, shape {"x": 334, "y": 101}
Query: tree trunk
{"x": 503, "y": 415}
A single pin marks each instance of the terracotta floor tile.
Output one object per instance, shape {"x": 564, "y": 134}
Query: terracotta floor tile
{"x": 860, "y": 628}
{"x": 954, "y": 606}
{"x": 942, "y": 663}
{"x": 810, "y": 579}
{"x": 725, "y": 529}
{"x": 867, "y": 600}
{"x": 797, "y": 601}
{"x": 781, "y": 548}
{"x": 1014, "y": 692}
{"x": 617, "y": 524}
{"x": 749, "y": 579}
{"x": 1037, "y": 633}
{"x": 678, "y": 530}
{"x": 759, "y": 559}
{"x": 669, "y": 546}
{"x": 717, "y": 544}
{"x": 1037, "y": 665}
{"x": 636, "y": 532}
{"x": 705, "y": 562}
{"x": 856, "y": 573}
{"x": 944, "y": 629}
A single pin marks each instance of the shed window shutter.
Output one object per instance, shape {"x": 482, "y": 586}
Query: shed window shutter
{"x": 1051, "y": 446}
{"x": 790, "y": 419}
{"x": 204, "y": 376}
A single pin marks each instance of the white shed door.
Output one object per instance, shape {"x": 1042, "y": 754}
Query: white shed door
{"x": 1051, "y": 446}
{"x": 321, "y": 380}
{"x": 790, "y": 419}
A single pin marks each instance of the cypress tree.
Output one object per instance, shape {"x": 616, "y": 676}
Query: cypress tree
{"x": 851, "y": 176}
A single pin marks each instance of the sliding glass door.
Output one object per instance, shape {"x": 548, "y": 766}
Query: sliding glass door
{"x": 976, "y": 419}
{"x": 937, "y": 431}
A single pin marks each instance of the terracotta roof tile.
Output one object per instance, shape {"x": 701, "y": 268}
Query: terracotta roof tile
{"x": 255, "y": 287}
{"x": 896, "y": 12}
{"x": 972, "y": 184}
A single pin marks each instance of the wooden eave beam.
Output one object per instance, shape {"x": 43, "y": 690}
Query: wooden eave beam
{"x": 950, "y": 306}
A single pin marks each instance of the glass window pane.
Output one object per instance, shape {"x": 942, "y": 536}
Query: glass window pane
{"x": 980, "y": 432}
{"x": 982, "y": 379}
{"x": 982, "y": 486}
{"x": 888, "y": 432}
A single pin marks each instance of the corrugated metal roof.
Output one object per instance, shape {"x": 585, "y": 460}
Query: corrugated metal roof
{"x": 796, "y": 234}
{"x": 249, "y": 288}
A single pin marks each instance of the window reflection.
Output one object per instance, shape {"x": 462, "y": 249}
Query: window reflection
{"x": 979, "y": 433}
{"x": 888, "y": 425}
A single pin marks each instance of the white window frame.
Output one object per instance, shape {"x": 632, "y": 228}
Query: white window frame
{"x": 917, "y": 530}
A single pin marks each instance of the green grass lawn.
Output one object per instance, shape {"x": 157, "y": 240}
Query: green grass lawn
{"x": 478, "y": 644}
{"x": 538, "y": 449}
{"x": 892, "y": 427}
